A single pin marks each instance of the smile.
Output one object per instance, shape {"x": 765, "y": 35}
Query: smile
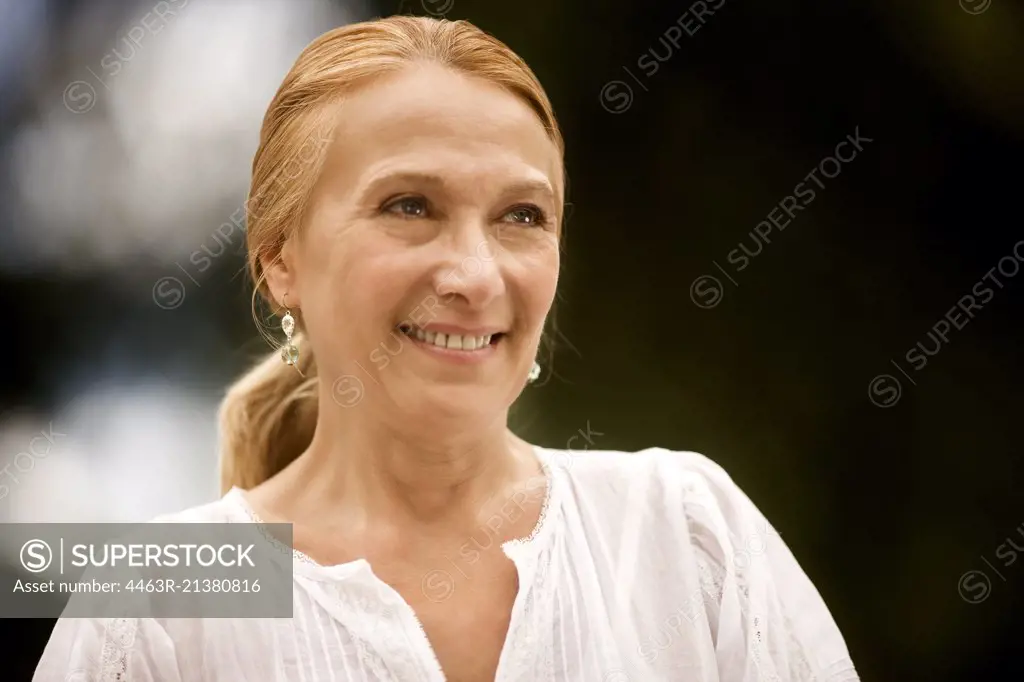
{"x": 464, "y": 343}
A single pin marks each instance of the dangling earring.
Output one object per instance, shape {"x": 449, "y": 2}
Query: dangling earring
{"x": 534, "y": 372}
{"x": 290, "y": 352}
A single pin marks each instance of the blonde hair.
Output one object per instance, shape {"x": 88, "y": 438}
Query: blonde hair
{"x": 268, "y": 416}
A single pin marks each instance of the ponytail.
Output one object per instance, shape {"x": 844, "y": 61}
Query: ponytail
{"x": 267, "y": 418}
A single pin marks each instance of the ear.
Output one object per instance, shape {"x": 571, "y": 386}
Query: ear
{"x": 279, "y": 273}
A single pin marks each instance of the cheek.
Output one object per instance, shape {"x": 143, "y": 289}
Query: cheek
{"x": 360, "y": 278}
{"x": 333, "y": 281}
{"x": 535, "y": 277}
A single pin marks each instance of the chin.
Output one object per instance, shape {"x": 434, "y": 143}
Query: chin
{"x": 467, "y": 403}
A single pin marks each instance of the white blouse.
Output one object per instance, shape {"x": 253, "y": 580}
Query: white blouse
{"x": 645, "y": 567}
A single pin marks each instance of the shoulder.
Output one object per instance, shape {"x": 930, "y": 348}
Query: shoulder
{"x": 655, "y": 470}
{"x": 687, "y": 495}
{"x": 626, "y": 463}
{"x": 683, "y": 510}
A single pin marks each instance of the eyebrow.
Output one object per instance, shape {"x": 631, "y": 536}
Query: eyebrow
{"x": 434, "y": 180}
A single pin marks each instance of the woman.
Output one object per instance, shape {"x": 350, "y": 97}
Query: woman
{"x": 405, "y": 219}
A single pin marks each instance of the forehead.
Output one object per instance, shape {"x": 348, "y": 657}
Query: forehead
{"x": 427, "y": 117}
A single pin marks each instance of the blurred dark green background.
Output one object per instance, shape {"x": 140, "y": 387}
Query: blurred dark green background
{"x": 897, "y": 485}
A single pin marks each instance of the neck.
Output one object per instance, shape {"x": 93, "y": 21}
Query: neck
{"x": 362, "y": 469}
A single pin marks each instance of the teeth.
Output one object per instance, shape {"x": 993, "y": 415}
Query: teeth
{"x": 452, "y": 341}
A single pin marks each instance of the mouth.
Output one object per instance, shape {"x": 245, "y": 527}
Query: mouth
{"x": 452, "y": 341}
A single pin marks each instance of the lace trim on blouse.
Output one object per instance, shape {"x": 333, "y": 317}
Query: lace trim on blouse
{"x": 118, "y": 639}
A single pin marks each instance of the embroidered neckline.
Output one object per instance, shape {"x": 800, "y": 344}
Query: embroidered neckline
{"x": 542, "y": 519}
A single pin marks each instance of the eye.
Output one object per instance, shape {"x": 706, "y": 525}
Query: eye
{"x": 527, "y": 215}
{"x": 407, "y": 207}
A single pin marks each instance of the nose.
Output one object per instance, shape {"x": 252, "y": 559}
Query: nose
{"x": 470, "y": 271}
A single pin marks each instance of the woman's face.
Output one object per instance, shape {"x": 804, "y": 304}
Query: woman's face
{"x": 429, "y": 256}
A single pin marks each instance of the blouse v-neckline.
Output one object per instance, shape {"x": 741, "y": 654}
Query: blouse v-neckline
{"x": 386, "y": 602}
